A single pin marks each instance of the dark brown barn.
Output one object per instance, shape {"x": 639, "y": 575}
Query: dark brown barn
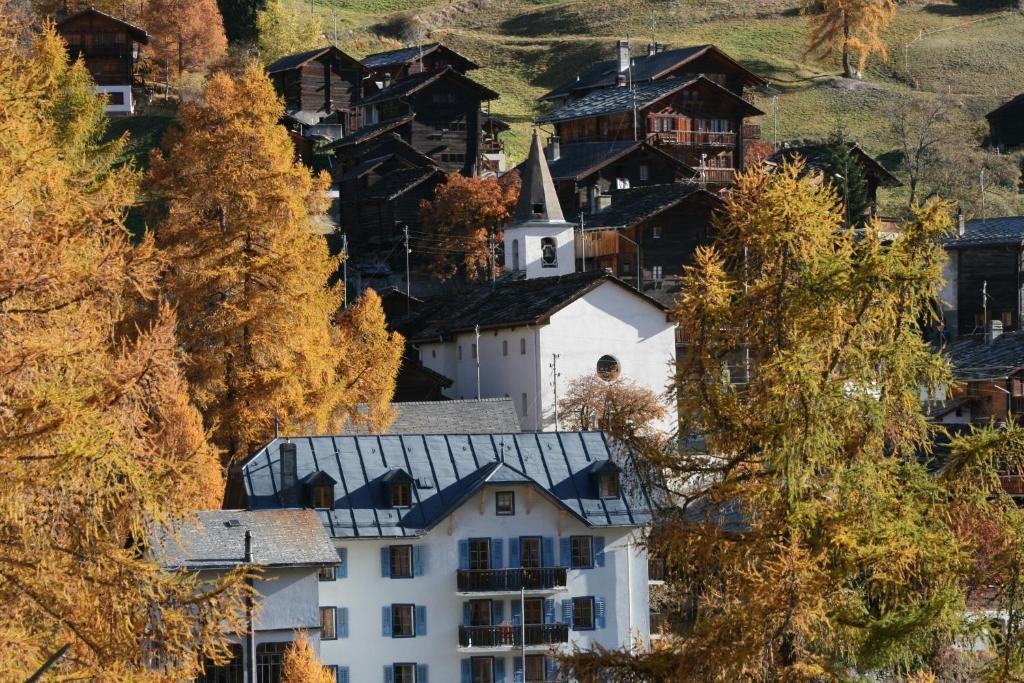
{"x": 1006, "y": 124}
{"x": 388, "y": 67}
{"x": 110, "y": 48}
{"x": 321, "y": 90}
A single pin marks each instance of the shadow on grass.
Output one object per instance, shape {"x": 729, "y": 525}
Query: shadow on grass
{"x": 967, "y": 10}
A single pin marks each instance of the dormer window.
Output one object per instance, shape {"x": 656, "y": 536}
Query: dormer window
{"x": 319, "y": 489}
{"x": 398, "y": 488}
{"x": 323, "y": 496}
{"x": 401, "y": 495}
{"x": 605, "y": 475}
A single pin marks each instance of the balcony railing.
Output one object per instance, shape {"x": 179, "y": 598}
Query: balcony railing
{"x": 718, "y": 175}
{"x": 118, "y": 51}
{"x": 510, "y": 580}
{"x": 697, "y": 138}
{"x": 511, "y": 636}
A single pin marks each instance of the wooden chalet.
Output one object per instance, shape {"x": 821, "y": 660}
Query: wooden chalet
{"x": 388, "y": 67}
{"x": 110, "y": 48}
{"x": 657, "y": 63}
{"x": 697, "y": 121}
{"x": 1006, "y": 124}
{"x": 321, "y": 90}
{"x": 447, "y": 120}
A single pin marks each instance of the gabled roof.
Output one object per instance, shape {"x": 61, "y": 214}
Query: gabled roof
{"x": 645, "y": 68}
{"x": 367, "y": 133}
{"x": 937, "y": 409}
{"x": 447, "y": 469}
{"x": 137, "y": 33}
{"x": 397, "y": 183}
{"x": 413, "y": 84}
{"x": 634, "y": 205}
{"x": 578, "y": 160}
{"x": 215, "y": 539}
{"x": 508, "y": 303}
{"x": 1015, "y": 102}
{"x": 612, "y": 100}
{"x": 294, "y": 61}
{"x": 1005, "y": 231}
{"x": 489, "y": 415}
{"x": 974, "y": 359}
{"x": 407, "y": 55}
{"x": 815, "y": 155}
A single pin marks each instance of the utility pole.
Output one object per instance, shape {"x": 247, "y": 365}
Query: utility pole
{"x": 775, "y": 121}
{"x": 984, "y": 305}
{"x": 408, "y": 293}
{"x": 981, "y": 183}
{"x": 344, "y": 270}
{"x": 554, "y": 383}
{"x": 583, "y": 244}
{"x": 476, "y": 330}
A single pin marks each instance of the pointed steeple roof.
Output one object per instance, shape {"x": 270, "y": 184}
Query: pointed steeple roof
{"x": 537, "y": 198}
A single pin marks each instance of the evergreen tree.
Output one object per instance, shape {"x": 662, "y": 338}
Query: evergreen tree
{"x": 98, "y": 439}
{"x": 852, "y": 26}
{"x": 844, "y": 172}
{"x": 249, "y": 276}
{"x": 240, "y": 19}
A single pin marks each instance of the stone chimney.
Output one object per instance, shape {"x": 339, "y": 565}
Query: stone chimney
{"x": 961, "y": 226}
{"x": 289, "y": 476}
{"x": 248, "y": 547}
{"x": 622, "y": 54}
{"x": 993, "y": 330}
{"x": 554, "y": 150}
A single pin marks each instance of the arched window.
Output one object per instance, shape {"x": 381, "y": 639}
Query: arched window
{"x": 607, "y": 368}
{"x": 515, "y": 254}
{"x": 548, "y": 252}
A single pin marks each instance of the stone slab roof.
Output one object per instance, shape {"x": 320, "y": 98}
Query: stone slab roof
{"x": 413, "y": 84}
{"x": 447, "y": 470}
{"x": 404, "y": 55}
{"x": 1005, "y": 231}
{"x": 974, "y": 358}
{"x": 815, "y": 156}
{"x": 367, "y": 133}
{"x": 294, "y": 61}
{"x": 637, "y": 204}
{"x": 137, "y": 33}
{"x": 487, "y": 415}
{"x": 215, "y": 539}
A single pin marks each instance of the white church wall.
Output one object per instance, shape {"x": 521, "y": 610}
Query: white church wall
{"x": 529, "y": 236}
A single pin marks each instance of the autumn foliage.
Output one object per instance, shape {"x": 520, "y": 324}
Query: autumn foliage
{"x": 98, "y": 439}
{"x": 188, "y": 35}
{"x": 463, "y": 222}
{"x": 301, "y": 664}
{"x": 851, "y": 26}
{"x": 619, "y": 406}
{"x": 262, "y": 329}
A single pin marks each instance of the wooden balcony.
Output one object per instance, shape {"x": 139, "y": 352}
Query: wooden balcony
{"x": 510, "y": 636}
{"x": 531, "y": 580}
{"x": 1013, "y": 484}
{"x": 91, "y": 51}
{"x": 493, "y": 146}
{"x": 718, "y": 176}
{"x": 693, "y": 138}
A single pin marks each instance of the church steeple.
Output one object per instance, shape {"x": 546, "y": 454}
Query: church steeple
{"x": 537, "y": 198}
{"x": 539, "y": 243}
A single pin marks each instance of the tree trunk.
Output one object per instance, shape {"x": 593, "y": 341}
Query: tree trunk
{"x": 847, "y": 64}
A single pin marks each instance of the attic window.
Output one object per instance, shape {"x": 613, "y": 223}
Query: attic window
{"x": 538, "y": 209}
{"x": 323, "y": 496}
{"x": 608, "y": 485}
{"x": 401, "y": 495}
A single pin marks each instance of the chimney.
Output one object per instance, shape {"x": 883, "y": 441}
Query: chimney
{"x": 248, "y": 547}
{"x": 652, "y": 49}
{"x": 961, "y": 226}
{"x": 993, "y": 330}
{"x": 554, "y": 150}
{"x": 622, "y": 54}
{"x": 289, "y": 476}
{"x": 620, "y": 81}
{"x": 600, "y": 203}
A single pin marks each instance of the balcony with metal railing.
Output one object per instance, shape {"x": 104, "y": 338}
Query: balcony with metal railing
{"x": 507, "y": 637}
{"x": 694, "y": 138}
{"x": 531, "y": 580}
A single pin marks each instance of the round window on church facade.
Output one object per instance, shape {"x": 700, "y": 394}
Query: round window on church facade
{"x": 607, "y": 368}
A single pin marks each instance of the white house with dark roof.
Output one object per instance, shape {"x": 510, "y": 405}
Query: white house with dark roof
{"x": 466, "y": 558}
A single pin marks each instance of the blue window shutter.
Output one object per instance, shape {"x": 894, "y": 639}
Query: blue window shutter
{"x": 567, "y": 612}
{"x": 497, "y": 612}
{"x": 467, "y": 671}
{"x": 466, "y": 614}
{"x": 463, "y": 554}
{"x": 389, "y": 673}
{"x": 342, "y": 617}
{"x": 343, "y": 676}
{"x": 385, "y": 562}
{"x": 550, "y": 668}
{"x": 549, "y": 611}
{"x": 599, "y": 551}
{"x": 517, "y": 670}
{"x": 599, "y": 611}
{"x": 421, "y": 620}
{"x": 516, "y": 613}
{"x": 497, "y": 555}
{"x": 386, "y": 620}
{"x": 342, "y": 572}
{"x": 565, "y": 549}
{"x": 499, "y": 670}
{"x": 547, "y": 551}
{"x": 513, "y": 552}
{"x": 421, "y": 673}
{"x": 417, "y": 560}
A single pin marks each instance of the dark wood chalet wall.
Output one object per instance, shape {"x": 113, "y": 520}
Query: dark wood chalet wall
{"x": 683, "y": 228}
{"x": 1007, "y": 125}
{"x": 106, "y": 45}
{"x": 999, "y": 268}
{"x": 447, "y": 127}
{"x": 322, "y": 85}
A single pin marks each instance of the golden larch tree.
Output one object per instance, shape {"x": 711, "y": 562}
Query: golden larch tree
{"x": 188, "y": 35}
{"x": 98, "y": 439}
{"x": 850, "y": 26}
{"x": 284, "y": 30}
{"x": 259, "y": 323}
{"x": 301, "y": 665}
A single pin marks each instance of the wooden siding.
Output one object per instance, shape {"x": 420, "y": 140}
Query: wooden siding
{"x": 1007, "y": 126}
{"x": 997, "y": 269}
{"x": 322, "y": 85}
{"x": 106, "y": 46}
{"x": 446, "y": 126}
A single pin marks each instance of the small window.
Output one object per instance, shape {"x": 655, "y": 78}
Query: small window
{"x": 645, "y": 173}
{"x": 328, "y": 623}
{"x": 401, "y": 495}
{"x": 548, "y": 252}
{"x": 401, "y": 561}
{"x": 404, "y": 673}
{"x": 607, "y": 368}
{"x": 327, "y": 573}
{"x": 433, "y": 353}
{"x": 526, "y": 406}
{"x": 479, "y": 553}
{"x": 323, "y": 496}
{"x": 656, "y": 272}
{"x": 522, "y": 346}
{"x": 483, "y": 669}
{"x": 582, "y": 555}
{"x": 505, "y": 503}
{"x": 583, "y": 614}
{"x": 538, "y": 209}
{"x": 115, "y": 98}
{"x": 1007, "y": 318}
{"x": 402, "y": 621}
{"x": 656, "y": 232}
{"x": 480, "y": 613}
{"x": 460, "y": 351}
{"x": 504, "y": 347}
{"x": 608, "y": 485}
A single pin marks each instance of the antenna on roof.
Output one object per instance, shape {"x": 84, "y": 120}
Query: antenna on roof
{"x": 277, "y": 426}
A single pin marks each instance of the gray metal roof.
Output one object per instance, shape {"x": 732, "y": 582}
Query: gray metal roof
{"x": 489, "y": 415}
{"x": 215, "y": 539}
{"x": 974, "y": 358}
{"x": 447, "y": 470}
{"x": 1005, "y": 231}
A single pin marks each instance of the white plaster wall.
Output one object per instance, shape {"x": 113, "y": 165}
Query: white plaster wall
{"x": 126, "y": 91}
{"x": 288, "y": 599}
{"x": 529, "y": 236}
{"x": 365, "y": 592}
{"x": 608, "y": 320}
